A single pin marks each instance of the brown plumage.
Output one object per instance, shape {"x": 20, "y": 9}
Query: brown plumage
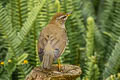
{"x": 52, "y": 40}
{"x": 56, "y": 16}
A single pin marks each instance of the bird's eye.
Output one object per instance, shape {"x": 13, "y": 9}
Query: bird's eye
{"x": 64, "y": 17}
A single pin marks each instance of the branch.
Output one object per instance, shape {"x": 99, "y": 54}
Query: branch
{"x": 68, "y": 72}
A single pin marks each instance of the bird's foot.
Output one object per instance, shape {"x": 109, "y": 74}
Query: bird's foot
{"x": 59, "y": 67}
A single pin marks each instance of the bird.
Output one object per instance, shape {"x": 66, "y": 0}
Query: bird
{"x": 52, "y": 40}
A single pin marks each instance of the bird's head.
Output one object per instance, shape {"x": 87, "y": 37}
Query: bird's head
{"x": 60, "y": 17}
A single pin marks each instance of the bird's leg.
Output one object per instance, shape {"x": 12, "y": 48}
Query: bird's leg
{"x": 59, "y": 65}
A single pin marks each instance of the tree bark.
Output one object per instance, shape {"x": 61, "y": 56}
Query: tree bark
{"x": 67, "y": 72}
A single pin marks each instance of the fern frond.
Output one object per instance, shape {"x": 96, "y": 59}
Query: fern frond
{"x": 104, "y": 12}
{"x": 4, "y": 76}
{"x": 29, "y": 21}
{"x": 92, "y": 72}
{"x": 112, "y": 27}
{"x": 6, "y": 28}
{"x": 3, "y": 47}
{"x": 112, "y": 65}
{"x": 21, "y": 72}
{"x": 19, "y": 13}
{"x": 90, "y": 37}
{"x": 114, "y": 77}
{"x": 88, "y": 9}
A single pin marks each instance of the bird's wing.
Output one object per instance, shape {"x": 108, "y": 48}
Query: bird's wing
{"x": 57, "y": 38}
{"x": 43, "y": 39}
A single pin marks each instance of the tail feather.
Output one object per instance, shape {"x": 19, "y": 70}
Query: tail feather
{"x": 48, "y": 56}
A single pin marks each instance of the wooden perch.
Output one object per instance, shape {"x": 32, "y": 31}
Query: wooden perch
{"x": 68, "y": 72}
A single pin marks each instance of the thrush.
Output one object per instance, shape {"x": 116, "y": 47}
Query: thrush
{"x": 52, "y": 40}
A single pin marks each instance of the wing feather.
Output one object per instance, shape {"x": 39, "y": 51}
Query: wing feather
{"x": 57, "y": 37}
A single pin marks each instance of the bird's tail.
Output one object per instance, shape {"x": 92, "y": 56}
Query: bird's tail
{"x": 48, "y": 56}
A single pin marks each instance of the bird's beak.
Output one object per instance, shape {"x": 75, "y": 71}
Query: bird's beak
{"x": 68, "y": 14}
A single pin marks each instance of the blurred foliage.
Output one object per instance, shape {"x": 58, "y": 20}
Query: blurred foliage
{"x": 93, "y": 32}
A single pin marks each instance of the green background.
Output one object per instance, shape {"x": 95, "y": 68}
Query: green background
{"x": 93, "y": 32}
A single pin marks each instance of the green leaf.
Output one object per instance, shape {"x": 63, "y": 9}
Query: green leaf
{"x": 90, "y": 37}
{"x": 92, "y": 71}
{"x": 21, "y": 58}
{"x": 29, "y": 21}
{"x": 113, "y": 64}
